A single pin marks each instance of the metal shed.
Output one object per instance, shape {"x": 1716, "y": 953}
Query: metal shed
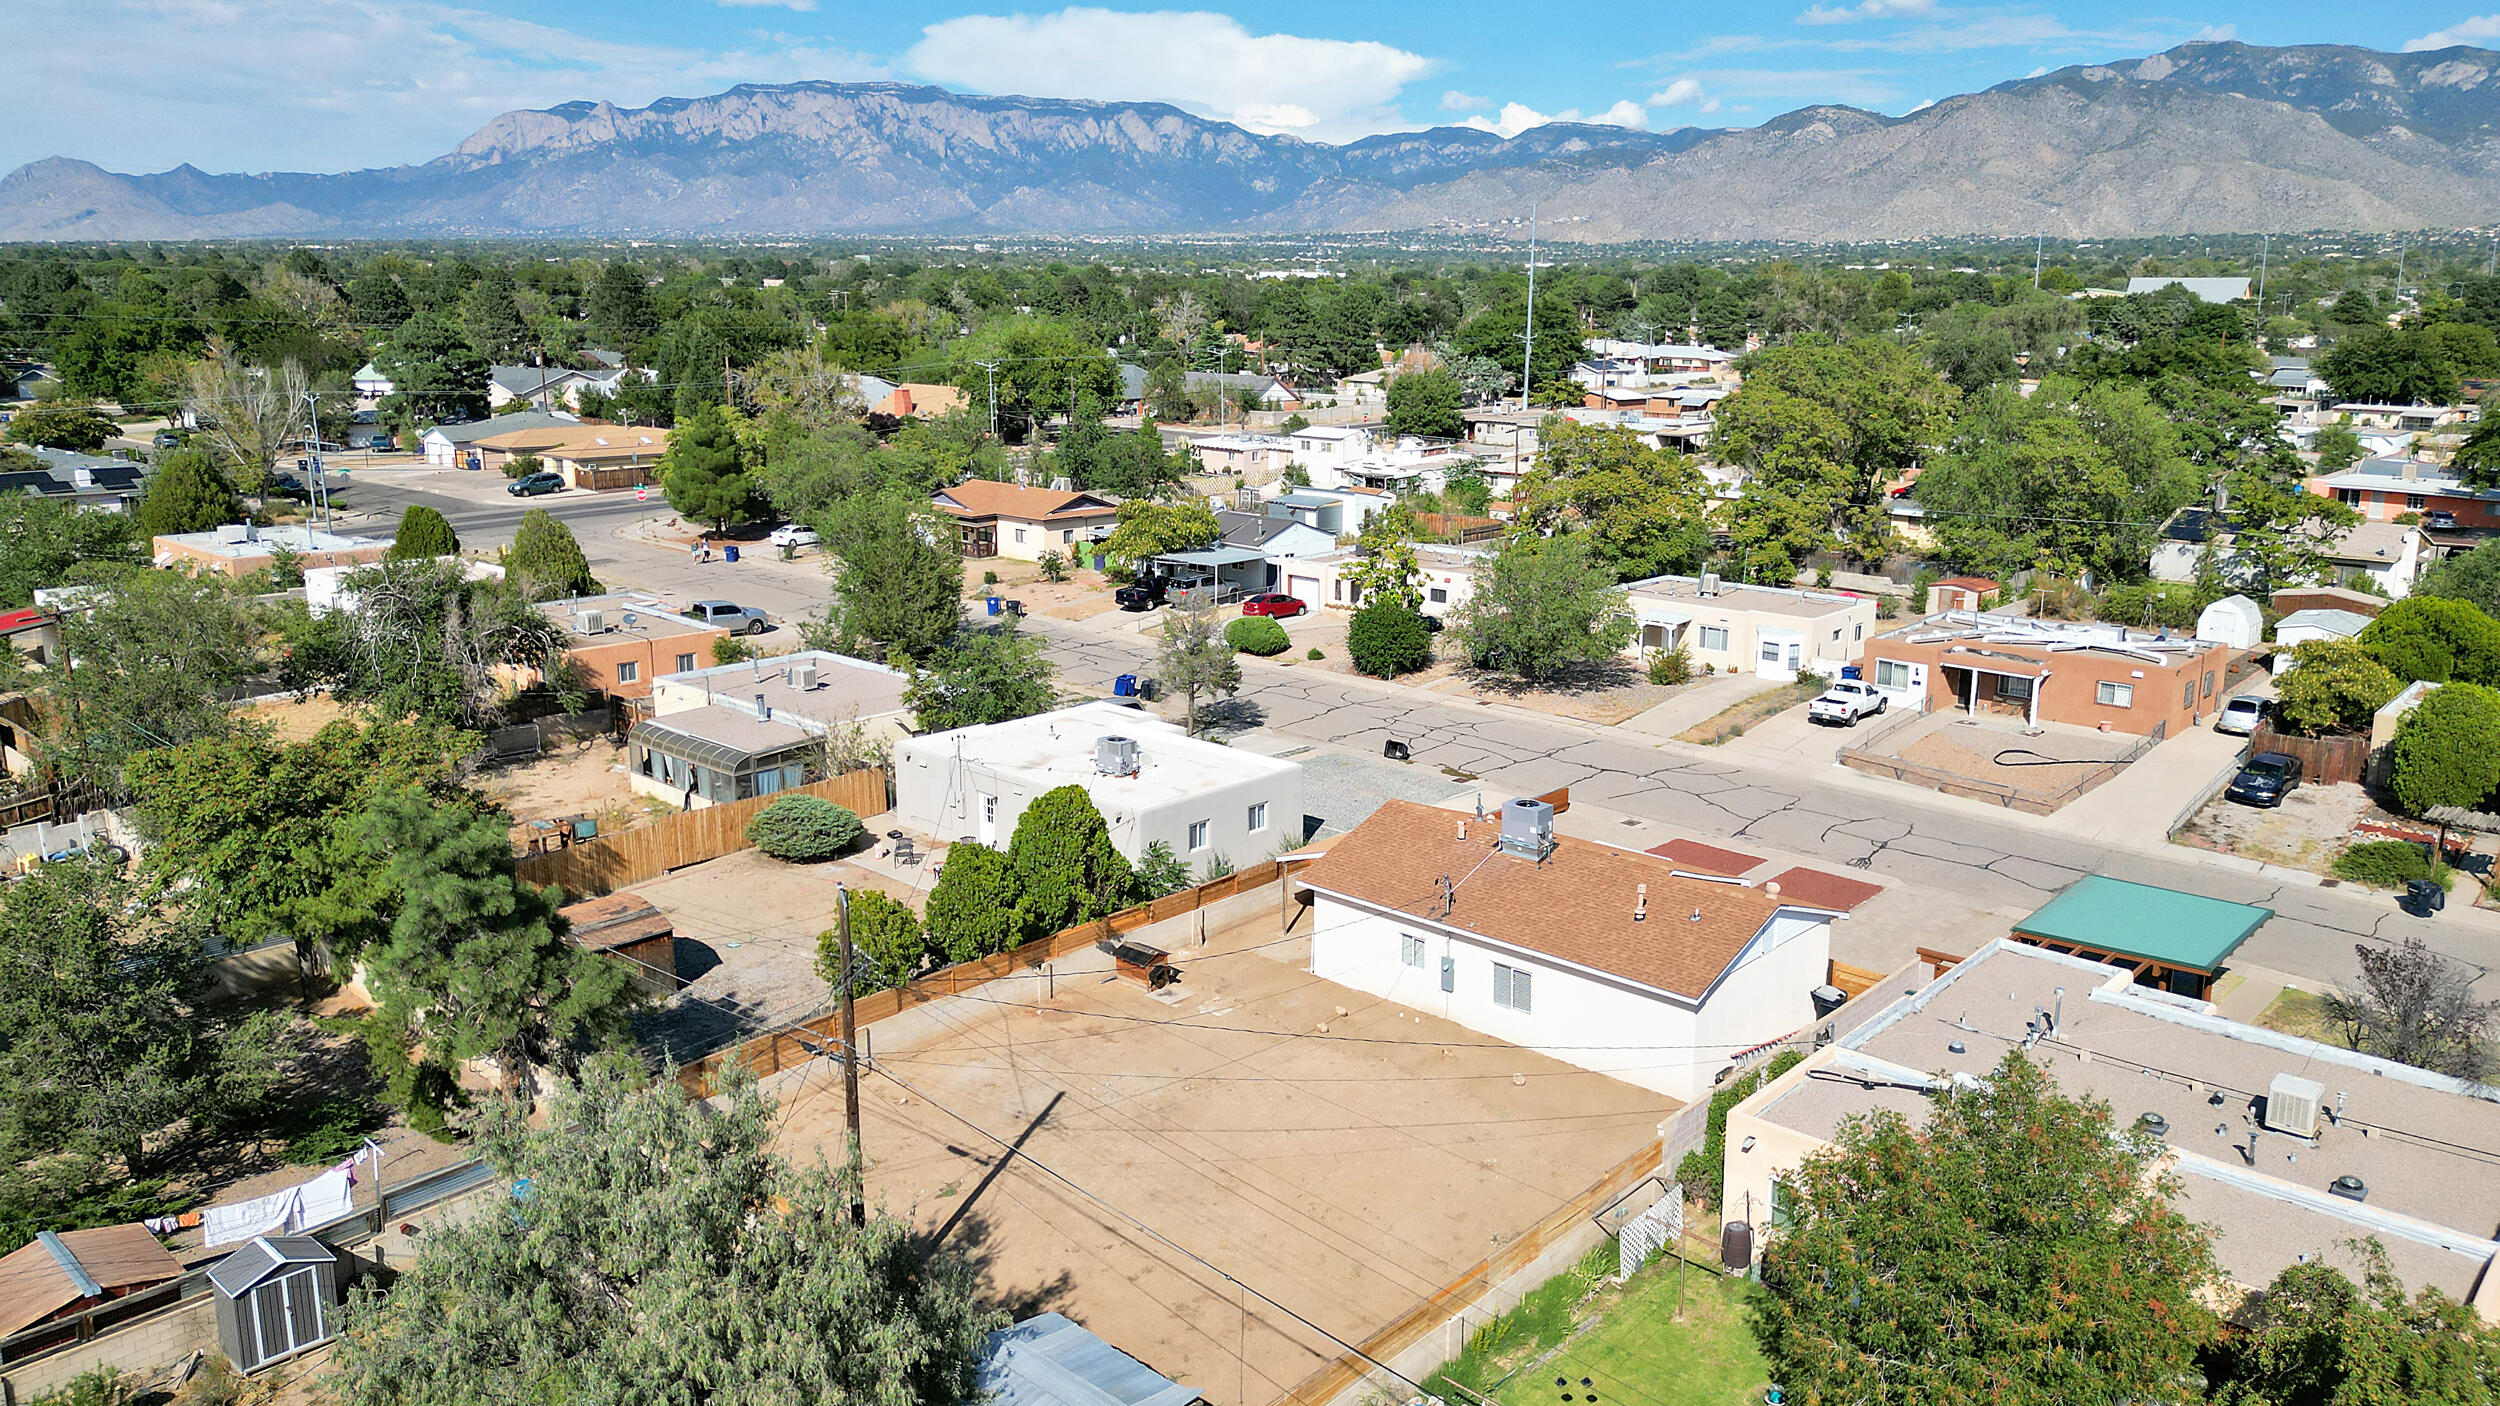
{"x": 276, "y": 1297}
{"x": 1050, "y": 1361}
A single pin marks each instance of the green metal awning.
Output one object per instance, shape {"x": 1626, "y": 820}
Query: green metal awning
{"x": 2185, "y": 931}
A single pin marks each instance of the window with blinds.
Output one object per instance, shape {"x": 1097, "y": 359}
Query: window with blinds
{"x": 1511, "y": 989}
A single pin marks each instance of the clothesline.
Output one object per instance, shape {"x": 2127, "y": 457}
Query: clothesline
{"x": 329, "y": 1197}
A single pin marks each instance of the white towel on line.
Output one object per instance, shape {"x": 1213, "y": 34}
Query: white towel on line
{"x": 327, "y": 1197}
{"x": 265, "y": 1215}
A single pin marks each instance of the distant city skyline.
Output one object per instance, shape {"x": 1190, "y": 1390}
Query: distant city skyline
{"x": 260, "y": 85}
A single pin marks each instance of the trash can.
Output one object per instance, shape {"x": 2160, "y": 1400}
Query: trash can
{"x": 730, "y": 552}
{"x": 1827, "y": 999}
{"x": 1394, "y": 750}
{"x": 993, "y": 604}
{"x": 1850, "y": 671}
{"x": 1125, "y": 686}
{"x": 2424, "y": 897}
{"x": 1147, "y": 688}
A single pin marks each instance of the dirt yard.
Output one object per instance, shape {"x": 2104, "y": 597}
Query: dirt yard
{"x": 572, "y": 778}
{"x": 2307, "y": 831}
{"x": 1082, "y": 596}
{"x": 1347, "y": 1174}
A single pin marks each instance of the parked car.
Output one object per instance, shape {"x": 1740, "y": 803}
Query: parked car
{"x": 167, "y": 439}
{"x": 790, "y": 534}
{"x": 1846, "y": 702}
{"x": 1274, "y": 603}
{"x": 1145, "y": 593}
{"x": 2440, "y": 518}
{"x": 736, "y": 619}
{"x": 531, "y": 485}
{"x": 2266, "y": 780}
{"x": 287, "y": 485}
{"x": 2241, "y": 715}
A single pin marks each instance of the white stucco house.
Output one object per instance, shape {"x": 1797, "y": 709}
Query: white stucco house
{"x": 1601, "y": 957}
{"x": 1150, "y": 780}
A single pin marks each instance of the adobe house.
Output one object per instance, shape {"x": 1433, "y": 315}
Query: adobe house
{"x": 2087, "y": 674}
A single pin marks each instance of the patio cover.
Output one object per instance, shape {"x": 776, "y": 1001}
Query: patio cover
{"x": 2186, "y": 931}
{"x": 1214, "y": 557}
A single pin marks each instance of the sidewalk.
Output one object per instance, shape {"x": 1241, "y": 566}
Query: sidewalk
{"x": 2148, "y": 796}
{"x": 1698, "y": 704}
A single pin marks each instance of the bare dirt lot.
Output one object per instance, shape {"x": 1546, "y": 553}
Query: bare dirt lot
{"x": 2051, "y": 764}
{"x": 572, "y": 778}
{"x": 2307, "y": 831}
{"x": 1347, "y": 1175}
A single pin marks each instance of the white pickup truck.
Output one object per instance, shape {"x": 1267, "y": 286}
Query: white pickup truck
{"x": 1846, "y": 702}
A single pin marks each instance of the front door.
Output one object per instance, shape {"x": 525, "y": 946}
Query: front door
{"x": 985, "y": 820}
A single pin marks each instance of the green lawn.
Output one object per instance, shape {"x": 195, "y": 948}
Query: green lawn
{"x": 1638, "y": 1354}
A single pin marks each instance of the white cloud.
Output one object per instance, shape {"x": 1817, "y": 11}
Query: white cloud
{"x": 1456, "y": 101}
{"x": 2476, "y": 31}
{"x": 1864, "y": 10}
{"x": 1516, "y": 118}
{"x": 1676, "y": 94}
{"x": 799, "y": 5}
{"x": 2215, "y": 34}
{"x": 319, "y": 85}
{"x": 1324, "y": 89}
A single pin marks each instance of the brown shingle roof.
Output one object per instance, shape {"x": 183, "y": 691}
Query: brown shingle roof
{"x": 33, "y": 1286}
{"x": 1576, "y": 906}
{"x": 980, "y": 497}
{"x": 1693, "y": 856}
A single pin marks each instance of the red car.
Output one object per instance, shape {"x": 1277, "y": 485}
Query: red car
{"x": 1281, "y": 606}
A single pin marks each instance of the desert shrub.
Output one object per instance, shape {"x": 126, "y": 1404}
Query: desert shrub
{"x": 1316, "y": 653}
{"x": 803, "y": 829}
{"x": 1256, "y": 634}
{"x": 105, "y": 1386}
{"x": 989, "y": 578}
{"x": 1670, "y": 666}
{"x": 2387, "y": 864}
{"x": 1387, "y": 638}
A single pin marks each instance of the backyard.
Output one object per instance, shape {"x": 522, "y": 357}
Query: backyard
{"x": 1674, "y": 1334}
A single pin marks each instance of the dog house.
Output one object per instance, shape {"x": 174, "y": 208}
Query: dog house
{"x": 276, "y": 1297}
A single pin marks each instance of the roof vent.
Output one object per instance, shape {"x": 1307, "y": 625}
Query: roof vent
{"x": 2152, "y": 1123}
{"x": 2292, "y": 1105}
{"x": 763, "y": 709}
{"x": 1640, "y": 902}
{"x": 1956, "y": 1047}
{"x": 2350, "y": 1187}
{"x": 1116, "y": 756}
{"x": 1527, "y": 828}
{"x": 1710, "y": 583}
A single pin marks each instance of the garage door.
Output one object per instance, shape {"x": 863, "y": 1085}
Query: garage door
{"x": 1304, "y": 589}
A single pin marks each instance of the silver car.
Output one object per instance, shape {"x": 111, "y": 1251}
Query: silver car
{"x": 2241, "y": 715}
{"x": 736, "y": 619}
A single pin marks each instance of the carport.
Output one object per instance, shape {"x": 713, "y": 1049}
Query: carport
{"x": 2176, "y": 941}
{"x": 1230, "y": 572}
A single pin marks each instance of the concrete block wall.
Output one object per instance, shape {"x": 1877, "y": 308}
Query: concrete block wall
{"x": 143, "y": 1348}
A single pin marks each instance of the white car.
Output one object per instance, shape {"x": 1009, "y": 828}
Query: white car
{"x": 2240, "y": 715}
{"x": 790, "y": 534}
{"x": 1845, "y": 702}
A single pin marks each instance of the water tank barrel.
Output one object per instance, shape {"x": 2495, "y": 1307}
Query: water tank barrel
{"x": 1736, "y": 1245}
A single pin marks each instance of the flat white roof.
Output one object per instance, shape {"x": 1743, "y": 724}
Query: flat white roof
{"x": 227, "y": 542}
{"x": 1049, "y": 750}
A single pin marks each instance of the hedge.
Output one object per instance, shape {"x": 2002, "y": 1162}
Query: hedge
{"x": 1700, "y": 1169}
{"x": 2388, "y": 864}
{"x": 1256, "y": 634}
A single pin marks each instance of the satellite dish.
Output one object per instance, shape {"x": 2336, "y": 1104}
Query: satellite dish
{"x": 629, "y": 620}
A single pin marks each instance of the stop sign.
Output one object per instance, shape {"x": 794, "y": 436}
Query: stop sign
{"x": 642, "y": 495}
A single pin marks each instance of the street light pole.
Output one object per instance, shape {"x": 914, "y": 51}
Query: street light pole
{"x": 1527, "y": 359}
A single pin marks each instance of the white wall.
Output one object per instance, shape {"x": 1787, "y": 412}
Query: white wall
{"x": 937, "y": 795}
{"x": 1617, "y": 1028}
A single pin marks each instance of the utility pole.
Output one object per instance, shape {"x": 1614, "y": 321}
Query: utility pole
{"x": 2264, "y": 243}
{"x": 856, "y": 1164}
{"x": 312, "y": 450}
{"x": 2400, "y": 278}
{"x": 2037, "y": 240}
{"x": 1527, "y": 359}
{"x": 992, "y": 368}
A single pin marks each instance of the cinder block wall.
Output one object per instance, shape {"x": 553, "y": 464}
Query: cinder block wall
{"x": 142, "y": 1349}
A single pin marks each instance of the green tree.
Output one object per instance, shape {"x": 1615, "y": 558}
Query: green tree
{"x": 1143, "y": 530}
{"x": 1066, "y": 871}
{"x": 1820, "y": 429}
{"x": 1160, "y": 871}
{"x": 2477, "y": 460}
{"x": 424, "y": 534}
{"x": 665, "y": 1252}
{"x": 474, "y": 956}
{"x": 2331, "y": 686}
{"x": 425, "y": 640}
{"x": 1540, "y": 605}
{"x": 156, "y": 664}
{"x": 620, "y": 309}
{"x": 2447, "y": 750}
{"x": 187, "y": 494}
{"x": 897, "y": 582}
{"x": 2314, "y": 1338}
{"x": 1426, "y": 403}
{"x": 545, "y": 562}
{"x": 980, "y": 676}
{"x": 82, "y": 429}
{"x": 1645, "y": 510}
{"x": 490, "y": 316}
{"x": 2473, "y": 577}
{"x": 2431, "y": 637}
{"x": 2390, "y": 366}
{"x": 1387, "y": 638}
{"x": 704, "y": 471}
{"x": 1167, "y": 392}
{"x": 2338, "y": 447}
{"x": 434, "y": 371}
{"x": 1495, "y": 333}
{"x": 2070, "y": 479}
{"x": 1040, "y": 366}
{"x": 888, "y": 944}
{"x": 972, "y": 906}
{"x": 2072, "y": 1277}
{"x": 1195, "y": 660}
{"x": 48, "y": 543}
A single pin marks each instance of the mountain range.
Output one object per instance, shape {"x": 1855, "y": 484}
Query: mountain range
{"x": 2206, "y": 137}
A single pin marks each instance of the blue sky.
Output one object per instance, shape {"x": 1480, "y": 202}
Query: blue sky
{"x": 259, "y": 85}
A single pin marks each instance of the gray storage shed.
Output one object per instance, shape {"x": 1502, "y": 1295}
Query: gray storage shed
{"x": 276, "y": 1297}
{"x": 1049, "y": 1360}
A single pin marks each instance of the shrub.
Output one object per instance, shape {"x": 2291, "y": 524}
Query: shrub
{"x": 888, "y": 945}
{"x": 2388, "y": 864}
{"x": 803, "y": 829}
{"x": 1316, "y": 653}
{"x": 1256, "y": 634}
{"x": 972, "y": 907}
{"x": 1054, "y": 567}
{"x": 521, "y": 466}
{"x": 1701, "y": 1168}
{"x": 1387, "y": 638}
{"x": 1670, "y": 666}
{"x": 2447, "y": 750}
{"x": 989, "y": 578}
{"x": 729, "y": 649}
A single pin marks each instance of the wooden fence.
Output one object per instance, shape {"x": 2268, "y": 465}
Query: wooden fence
{"x": 612, "y": 862}
{"x": 787, "y": 1048}
{"x": 1425, "y": 1318}
{"x": 2326, "y": 760}
{"x": 1854, "y": 982}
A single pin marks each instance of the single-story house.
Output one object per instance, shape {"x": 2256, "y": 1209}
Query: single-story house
{"x": 1151, "y": 781}
{"x": 920, "y": 399}
{"x": 733, "y": 731}
{"x": 370, "y": 385}
{"x": 2086, "y": 674}
{"x": 1961, "y": 593}
{"x": 1601, "y": 957}
{"x": 1009, "y": 520}
{"x": 326, "y": 588}
{"x": 1255, "y": 458}
{"x": 2386, "y": 554}
{"x": 1279, "y": 536}
{"x": 1664, "y": 358}
{"x": 624, "y": 640}
{"x": 546, "y": 387}
{"x": 1316, "y": 445}
{"x": 1446, "y": 578}
{"x": 239, "y": 549}
{"x": 58, "y": 1274}
{"x": 1363, "y": 388}
{"x": 1777, "y": 632}
{"x": 24, "y": 380}
{"x": 96, "y": 482}
{"x": 630, "y": 930}
{"x": 451, "y": 446}
{"x": 591, "y": 454}
{"x": 2302, "y": 626}
{"x": 1047, "y": 1360}
{"x": 2399, "y": 419}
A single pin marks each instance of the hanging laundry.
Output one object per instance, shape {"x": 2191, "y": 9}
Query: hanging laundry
{"x": 328, "y": 1197}
{"x": 266, "y": 1215}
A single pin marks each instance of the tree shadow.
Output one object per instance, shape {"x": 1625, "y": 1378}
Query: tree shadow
{"x": 1579, "y": 678}
{"x": 1232, "y": 715}
{"x": 693, "y": 958}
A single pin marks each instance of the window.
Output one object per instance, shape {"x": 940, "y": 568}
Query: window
{"x": 2349, "y": 497}
{"x": 1197, "y": 834}
{"x": 1019, "y": 534}
{"x": 685, "y": 663}
{"x": 2209, "y": 683}
{"x": 1510, "y": 987}
{"x": 1258, "y": 817}
{"x": 2013, "y": 690}
{"x": 1858, "y": 631}
{"x": 628, "y": 671}
{"x": 2188, "y": 698}
{"x": 2413, "y": 502}
{"x": 1783, "y": 1205}
{"x": 1410, "y": 949}
{"x": 2116, "y": 695}
{"x": 1067, "y": 535}
{"x": 1714, "y": 637}
{"x": 1437, "y": 596}
{"x": 1891, "y": 673}
{"x": 1770, "y": 651}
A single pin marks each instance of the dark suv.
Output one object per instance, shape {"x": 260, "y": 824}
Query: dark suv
{"x": 2266, "y": 780}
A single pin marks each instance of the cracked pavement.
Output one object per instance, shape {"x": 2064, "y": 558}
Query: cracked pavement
{"x": 2003, "y": 866}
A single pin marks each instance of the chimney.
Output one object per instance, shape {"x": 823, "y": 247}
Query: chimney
{"x": 1640, "y": 903}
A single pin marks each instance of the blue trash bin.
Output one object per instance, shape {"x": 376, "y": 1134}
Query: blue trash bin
{"x": 993, "y": 602}
{"x": 1125, "y": 686}
{"x": 730, "y": 552}
{"x": 1849, "y": 671}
